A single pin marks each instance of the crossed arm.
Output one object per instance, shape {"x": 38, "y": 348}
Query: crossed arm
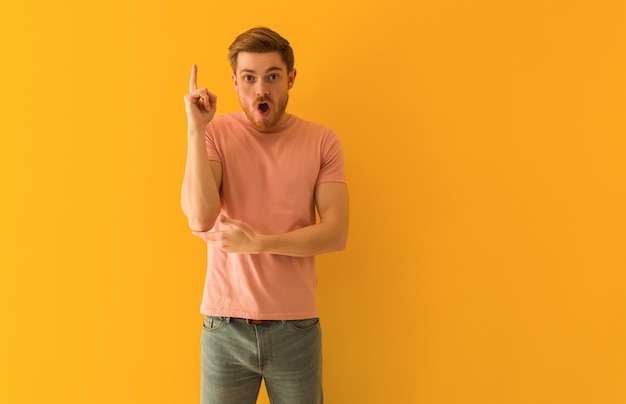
{"x": 328, "y": 235}
{"x": 200, "y": 198}
{"x": 200, "y": 202}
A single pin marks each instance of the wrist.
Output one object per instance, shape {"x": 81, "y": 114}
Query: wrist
{"x": 265, "y": 243}
{"x": 195, "y": 130}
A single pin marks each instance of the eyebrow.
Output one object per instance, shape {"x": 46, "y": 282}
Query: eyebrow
{"x": 271, "y": 69}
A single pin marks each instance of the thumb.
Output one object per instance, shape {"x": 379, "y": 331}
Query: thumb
{"x": 225, "y": 219}
{"x": 228, "y": 221}
{"x": 237, "y": 224}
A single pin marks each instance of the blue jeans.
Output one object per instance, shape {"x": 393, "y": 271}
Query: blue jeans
{"x": 236, "y": 356}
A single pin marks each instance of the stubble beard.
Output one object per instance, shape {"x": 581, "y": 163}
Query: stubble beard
{"x": 274, "y": 119}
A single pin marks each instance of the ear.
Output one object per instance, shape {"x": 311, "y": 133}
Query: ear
{"x": 233, "y": 76}
{"x": 291, "y": 78}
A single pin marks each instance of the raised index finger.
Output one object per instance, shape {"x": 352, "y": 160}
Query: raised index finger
{"x": 193, "y": 78}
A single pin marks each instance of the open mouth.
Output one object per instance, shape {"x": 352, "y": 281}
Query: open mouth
{"x": 263, "y": 108}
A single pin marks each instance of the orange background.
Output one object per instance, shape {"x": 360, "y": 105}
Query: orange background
{"x": 485, "y": 148}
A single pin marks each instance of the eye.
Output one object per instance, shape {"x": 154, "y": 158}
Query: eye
{"x": 272, "y": 77}
{"x": 248, "y": 77}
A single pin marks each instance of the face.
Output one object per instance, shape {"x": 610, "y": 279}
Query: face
{"x": 263, "y": 83}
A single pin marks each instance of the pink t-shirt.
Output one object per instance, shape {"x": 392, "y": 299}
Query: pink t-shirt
{"x": 268, "y": 181}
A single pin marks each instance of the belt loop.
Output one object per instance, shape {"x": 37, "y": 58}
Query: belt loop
{"x": 227, "y": 319}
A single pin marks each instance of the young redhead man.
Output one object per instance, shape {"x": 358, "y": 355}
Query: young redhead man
{"x": 253, "y": 181}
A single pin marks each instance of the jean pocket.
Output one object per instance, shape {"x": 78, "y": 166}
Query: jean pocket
{"x": 304, "y": 325}
{"x": 211, "y": 323}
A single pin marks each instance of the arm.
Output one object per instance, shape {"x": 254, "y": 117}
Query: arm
{"x": 329, "y": 235}
{"x": 200, "y": 198}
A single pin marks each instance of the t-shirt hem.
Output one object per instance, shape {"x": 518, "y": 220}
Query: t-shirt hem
{"x": 342, "y": 181}
{"x": 259, "y": 316}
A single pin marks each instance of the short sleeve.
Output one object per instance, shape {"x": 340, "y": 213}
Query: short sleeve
{"x": 332, "y": 165}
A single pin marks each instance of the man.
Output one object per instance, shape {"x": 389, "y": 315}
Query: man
{"x": 253, "y": 181}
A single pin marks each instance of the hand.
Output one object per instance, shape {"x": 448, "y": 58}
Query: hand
{"x": 240, "y": 238}
{"x": 200, "y": 104}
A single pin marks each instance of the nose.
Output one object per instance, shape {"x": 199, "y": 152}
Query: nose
{"x": 261, "y": 89}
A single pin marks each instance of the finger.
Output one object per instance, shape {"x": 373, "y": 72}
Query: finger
{"x": 209, "y": 235}
{"x": 226, "y": 220}
{"x": 212, "y": 104}
{"x": 207, "y": 99}
{"x": 234, "y": 223}
{"x": 205, "y": 235}
{"x": 198, "y": 233}
{"x": 193, "y": 78}
{"x": 203, "y": 99}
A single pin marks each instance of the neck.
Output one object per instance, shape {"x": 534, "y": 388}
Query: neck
{"x": 283, "y": 119}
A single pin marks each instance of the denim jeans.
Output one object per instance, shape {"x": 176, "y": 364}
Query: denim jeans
{"x": 236, "y": 356}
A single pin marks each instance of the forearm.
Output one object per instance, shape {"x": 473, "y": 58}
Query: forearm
{"x": 307, "y": 241}
{"x": 327, "y": 236}
{"x": 200, "y": 198}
